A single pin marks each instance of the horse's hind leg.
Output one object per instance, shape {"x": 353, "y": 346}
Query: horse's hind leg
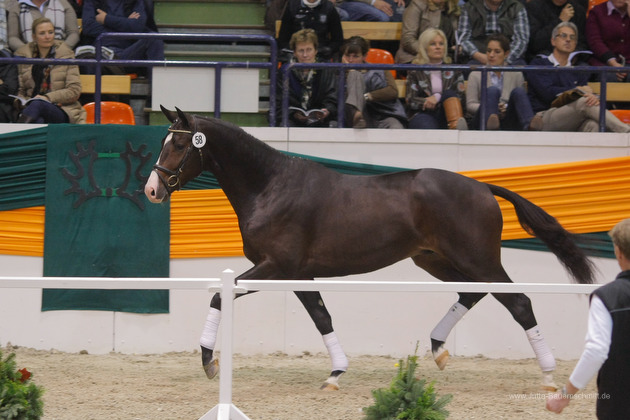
{"x": 315, "y": 307}
{"x": 520, "y": 306}
{"x": 443, "y": 328}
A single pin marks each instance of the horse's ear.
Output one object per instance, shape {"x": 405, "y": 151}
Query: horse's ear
{"x": 182, "y": 117}
{"x": 170, "y": 115}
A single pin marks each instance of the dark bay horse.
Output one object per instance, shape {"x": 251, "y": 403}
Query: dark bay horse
{"x": 300, "y": 220}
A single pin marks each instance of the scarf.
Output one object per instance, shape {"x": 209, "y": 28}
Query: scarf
{"x": 41, "y": 72}
{"x": 53, "y": 10}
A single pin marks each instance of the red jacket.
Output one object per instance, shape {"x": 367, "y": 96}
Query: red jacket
{"x": 607, "y": 36}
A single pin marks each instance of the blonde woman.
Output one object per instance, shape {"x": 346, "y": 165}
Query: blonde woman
{"x": 421, "y": 15}
{"x": 434, "y": 97}
{"x": 55, "y": 88}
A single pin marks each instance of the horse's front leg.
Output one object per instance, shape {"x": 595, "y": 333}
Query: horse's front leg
{"x": 209, "y": 337}
{"x": 315, "y": 307}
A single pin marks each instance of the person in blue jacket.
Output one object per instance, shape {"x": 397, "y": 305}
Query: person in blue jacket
{"x": 129, "y": 16}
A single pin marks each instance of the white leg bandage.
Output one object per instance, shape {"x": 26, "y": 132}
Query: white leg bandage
{"x": 210, "y": 329}
{"x": 546, "y": 361}
{"x": 446, "y": 324}
{"x": 337, "y": 356}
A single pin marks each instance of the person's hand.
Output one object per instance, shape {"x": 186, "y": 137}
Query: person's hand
{"x": 134, "y": 15}
{"x": 557, "y": 402}
{"x": 42, "y": 97}
{"x": 502, "y": 109}
{"x": 591, "y": 99}
{"x": 384, "y": 7}
{"x": 614, "y": 63}
{"x": 430, "y": 103}
{"x": 567, "y": 13}
{"x": 100, "y": 16}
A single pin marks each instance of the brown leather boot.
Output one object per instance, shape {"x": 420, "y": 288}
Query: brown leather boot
{"x": 454, "y": 114}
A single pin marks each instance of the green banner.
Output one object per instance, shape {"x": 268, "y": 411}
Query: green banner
{"x": 98, "y": 221}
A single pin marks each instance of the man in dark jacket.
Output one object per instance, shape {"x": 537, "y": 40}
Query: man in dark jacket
{"x": 607, "y": 348}
{"x": 544, "y": 15}
{"x": 581, "y": 111}
{"x": 481, "y": 18}
{"x": 319, "y": 15}
{"x": 128, "y": 16}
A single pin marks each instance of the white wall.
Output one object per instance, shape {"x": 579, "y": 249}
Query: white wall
{"x": 367, "y": 323}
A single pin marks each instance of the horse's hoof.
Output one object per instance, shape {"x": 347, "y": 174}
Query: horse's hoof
{"x": 548, "y": 384}
{"x": 332, "y": 383}
{"x": 211, "y": 368}
{"x": 442, "y": 359}
{"x": 329, "y": 387}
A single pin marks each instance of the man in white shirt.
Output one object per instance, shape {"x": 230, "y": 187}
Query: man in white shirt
{"x": 607, "y": 348}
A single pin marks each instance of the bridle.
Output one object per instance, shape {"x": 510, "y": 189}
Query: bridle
{"x": 172, "y": 183}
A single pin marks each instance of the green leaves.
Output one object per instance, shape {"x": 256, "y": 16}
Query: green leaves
{"x": 407, "y": 397}
{"x": 19, "y": 397}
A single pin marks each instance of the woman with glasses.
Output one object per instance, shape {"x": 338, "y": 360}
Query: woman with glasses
{"x": 312, "y": 92}
{"x": 507, "y": 105}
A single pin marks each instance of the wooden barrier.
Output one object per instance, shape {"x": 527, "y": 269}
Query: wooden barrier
{"x": 375, "y": 31}
{"x": 615, "y": 91}
{"x": 113, "y": 84}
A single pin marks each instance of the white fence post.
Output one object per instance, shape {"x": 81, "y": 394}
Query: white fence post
{"x": 225, "y": 410}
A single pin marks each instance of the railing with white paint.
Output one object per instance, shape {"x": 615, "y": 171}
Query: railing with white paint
{"x": 227, "y": 286}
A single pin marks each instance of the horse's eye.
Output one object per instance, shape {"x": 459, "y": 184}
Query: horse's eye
{"x": 179, "y": 145}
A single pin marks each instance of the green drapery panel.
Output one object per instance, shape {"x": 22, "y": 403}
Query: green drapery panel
{"x": 22, "y": 168}
{"x": 98, "y": 221}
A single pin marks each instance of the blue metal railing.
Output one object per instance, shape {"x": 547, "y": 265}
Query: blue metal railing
{"x": 272, "y": 65}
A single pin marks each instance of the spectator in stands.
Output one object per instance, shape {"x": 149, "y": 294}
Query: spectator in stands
{"x": 420, "y": 15}
{"x": 319, "y": 15}
{"x": 129, "y": 16}
{"x": 544, "y": 15}
{"x": 371, "y": 10}
{"x": 608, "y": 36}
{"x": 566, "y": 101}
{"x": 481, "y": 18}
{"x": 371, "y": 95}
{"x": 507, "y": 105}
{"x": 314, "y": 91}
{"x": 22, "y": 13}
{"x": 434, "y": 98}
{"x": 8, "y": 86}
{"x": 53, "y": 90}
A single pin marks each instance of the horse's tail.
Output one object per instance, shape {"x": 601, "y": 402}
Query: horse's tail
{"x": 541, "y": 224}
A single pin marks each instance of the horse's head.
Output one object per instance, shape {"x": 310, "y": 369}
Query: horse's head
{"x": 180, "y": 159}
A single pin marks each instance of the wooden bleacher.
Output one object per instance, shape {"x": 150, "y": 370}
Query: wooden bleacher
{"x": 110, "y": 84}
{"x": 374, "y": 31}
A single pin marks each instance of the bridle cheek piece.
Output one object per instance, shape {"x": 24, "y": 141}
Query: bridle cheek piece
{"x": 172, "y": 183}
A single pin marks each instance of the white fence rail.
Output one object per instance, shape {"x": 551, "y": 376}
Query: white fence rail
{"x": 227, "y": 286}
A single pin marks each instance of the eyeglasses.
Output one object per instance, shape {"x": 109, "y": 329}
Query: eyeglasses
{"x": 564, "y": 35}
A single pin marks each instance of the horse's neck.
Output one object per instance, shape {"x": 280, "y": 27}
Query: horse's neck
{"x": 244, "y": 167}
